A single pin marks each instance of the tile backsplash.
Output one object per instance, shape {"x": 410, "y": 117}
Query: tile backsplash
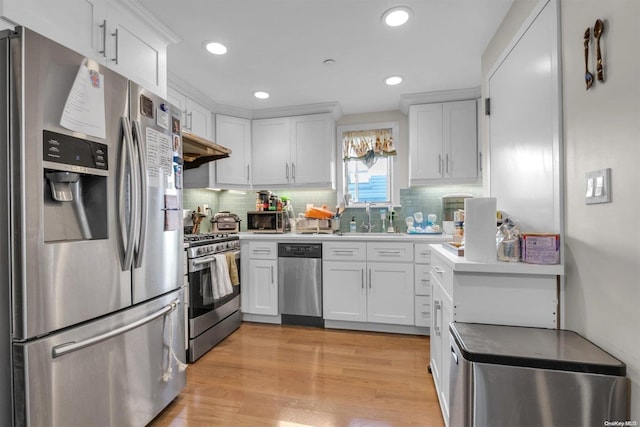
{"x": 418, "y": 199}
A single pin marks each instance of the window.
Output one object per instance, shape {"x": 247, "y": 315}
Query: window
{"x": 368, "y": 155}
{"x": 368, "y": 184}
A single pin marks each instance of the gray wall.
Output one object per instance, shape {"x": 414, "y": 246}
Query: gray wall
{"x": 601, "y": 130}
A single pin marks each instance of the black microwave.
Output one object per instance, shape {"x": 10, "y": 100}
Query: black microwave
{"x": 267, "y": 222}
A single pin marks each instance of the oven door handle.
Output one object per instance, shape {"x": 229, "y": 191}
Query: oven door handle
{"x": 208, "y": 259}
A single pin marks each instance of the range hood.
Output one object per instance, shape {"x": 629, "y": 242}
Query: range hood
{"x": 197, "y": 150}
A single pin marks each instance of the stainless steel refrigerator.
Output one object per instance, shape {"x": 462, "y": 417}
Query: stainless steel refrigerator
{"x": 91, "y": 314}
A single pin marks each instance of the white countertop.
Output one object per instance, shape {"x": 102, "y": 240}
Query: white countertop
{"x": 460, "y": 264}
{"x": 396, "y": 237}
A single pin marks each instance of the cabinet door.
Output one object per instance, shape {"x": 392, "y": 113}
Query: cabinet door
{"x": 447, "y": 317}
{"x": 270, "y": 153}
{"x": 198, "y": 120}
{"x": 72, "y": 23}
{"x": 234, "y": 133}
{"x": 435, "y": 340}
{"x": 460, "y": 136}
{"x": 135, "y": 51}
{"x": 344, "y": 295}
{"x": 390, "y": 298}
{"x": 425, "y": 142}
{"x": 312, "y": 150}
{"x": 180, "y": 101}
{"x": 263, "y": 287}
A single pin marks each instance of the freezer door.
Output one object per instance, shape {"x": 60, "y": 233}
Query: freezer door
{"x": 158, "y": 267}
{"x": 60, "y": 276}
{"x": 117, "y": 371}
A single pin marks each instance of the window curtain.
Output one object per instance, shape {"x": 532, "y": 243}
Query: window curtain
{"x": 368, "y": 146}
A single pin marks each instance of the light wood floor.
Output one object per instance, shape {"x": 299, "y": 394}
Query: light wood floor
{"x": 285, "y": 376}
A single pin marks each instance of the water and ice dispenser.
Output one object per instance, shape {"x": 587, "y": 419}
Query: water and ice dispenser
{"x": 75, "y": 188}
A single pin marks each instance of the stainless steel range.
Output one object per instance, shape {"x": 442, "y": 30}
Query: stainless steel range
{"x": 213, "y": 290}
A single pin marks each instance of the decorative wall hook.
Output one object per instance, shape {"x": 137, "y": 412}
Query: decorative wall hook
{"x": 588, "y": 77}
{"x": 598, "y": 29}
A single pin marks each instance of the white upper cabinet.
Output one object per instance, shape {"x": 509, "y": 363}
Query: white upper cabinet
{"x": 72, "y": 23}
{"x": 134, "y": 50}
{"x": 294, "y": 151}
{"x": 234, "y": 133}
{"x": 312, "y": 150}
{"x": 196, "y": 118}
{"x": 106, "y": 31}
{"x": 270, "y": 157}
{"x": 443, "y": 142}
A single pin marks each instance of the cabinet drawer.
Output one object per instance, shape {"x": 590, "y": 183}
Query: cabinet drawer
{"x": 263, "y": 250}
{"x": 422, "y": 279}
{"x": 386, "y": 251}
{"x": 423, "y": 311}
{"x": 422, "y": 253}
{"x": 344, "y": 251}
{"x": 442, "y": 273}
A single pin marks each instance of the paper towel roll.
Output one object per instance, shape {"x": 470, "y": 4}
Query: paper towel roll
{"x": 480, "y": 229}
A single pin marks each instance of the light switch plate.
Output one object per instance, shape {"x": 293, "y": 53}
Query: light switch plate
{"x": 598, "y": 186}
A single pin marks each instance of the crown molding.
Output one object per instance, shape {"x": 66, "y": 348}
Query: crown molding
{"x": 229, "y": 110}
{"x": 406, "y": 100}
{"x": 332, "y": 108}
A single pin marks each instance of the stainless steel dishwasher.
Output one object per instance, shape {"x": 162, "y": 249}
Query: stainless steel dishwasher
{"x": 300, "y": 283}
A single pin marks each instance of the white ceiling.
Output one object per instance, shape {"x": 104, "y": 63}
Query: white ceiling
{"x": 279, "y": 46}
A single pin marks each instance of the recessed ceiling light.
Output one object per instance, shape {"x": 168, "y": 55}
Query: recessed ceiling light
{"x": 260, "y": 94}
{"x": 393, "y": 80}
{"x": 396, "y": 16}
{"x": 216, "y": 48}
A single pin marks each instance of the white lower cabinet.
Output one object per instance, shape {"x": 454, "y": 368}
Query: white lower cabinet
{"x": 262, "y": 275}
{"x": 442, "y": 315}
{"x": 344, "y": 291}
{"x": 360, "y": 291}
{"x": 263, "y": 288}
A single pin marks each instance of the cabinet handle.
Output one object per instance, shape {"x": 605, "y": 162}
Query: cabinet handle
{"x": 272, "y": 275}
{"x": 104, "y": 38}
{"x": 343, "y": 252}
{"x": 248, "y": 173}
{"x": 190, "y": 115}
{"x": 293, "y": 171}
{"x": 446, "y": 164}
{"x": 363, "y": 278}
{"x": 389, "y": 252}
{"x": 261, "y": 251}
{"x": 116, "y": 36}
{"x": 440, "y": 164}
{"x": 425, "y": 253}
{"x": 437, "y": 306}
{"x": 286, "y": 169}
{"x": 437, "y": 269}
{"x": 480, "y": 161}
{"x": 369, "y": 278}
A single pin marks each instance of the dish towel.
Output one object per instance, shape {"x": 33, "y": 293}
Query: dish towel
{"x": 206, "y": 288}
{"x": 222, "y": 273}
{"x": 233, "y": 268}
{"x": 213, "y": 283}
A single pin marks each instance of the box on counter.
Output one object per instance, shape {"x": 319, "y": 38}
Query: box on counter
{"x": 540, "y": 248}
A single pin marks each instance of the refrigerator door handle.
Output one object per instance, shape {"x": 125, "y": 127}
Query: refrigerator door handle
{"x": 142, "y": 199}
{"x": 66, "y": 348}
{"x": 127, "y": 231}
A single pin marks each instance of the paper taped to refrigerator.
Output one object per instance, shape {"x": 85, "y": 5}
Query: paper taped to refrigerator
{"x": 159, "y": 158}
{"x": 84, "y": 109}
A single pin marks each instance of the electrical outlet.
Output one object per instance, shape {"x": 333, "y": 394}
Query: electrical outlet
{"x": 598, "y": 187}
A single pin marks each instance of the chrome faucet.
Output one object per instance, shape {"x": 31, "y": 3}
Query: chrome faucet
{"x": 368, "y": 226}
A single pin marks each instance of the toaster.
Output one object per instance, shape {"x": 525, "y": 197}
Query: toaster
{"x": 225, "y": 222}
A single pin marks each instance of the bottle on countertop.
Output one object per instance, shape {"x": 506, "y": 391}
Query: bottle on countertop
{"x": 352, "y": 225}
